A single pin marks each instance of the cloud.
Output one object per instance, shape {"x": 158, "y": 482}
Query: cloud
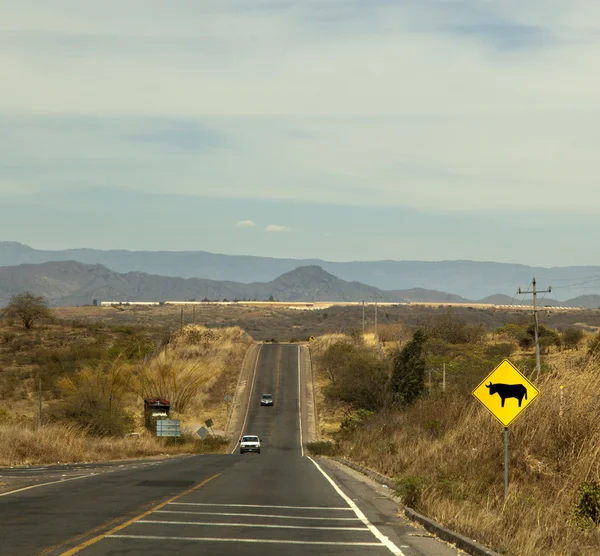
{"x": 453, "y": 106}
{"x": 246, "y": 224}
{"x": 276, "y": 228}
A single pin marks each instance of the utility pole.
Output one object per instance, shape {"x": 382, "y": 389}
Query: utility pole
{"x": 182, "y": 318}
{"x": 376, "y": 335}
{"x": 363, "y": 304}
{"x": 444, "y": 377}
{"x": 39, "y": 415}
{"x": 535, "y": 291}
{"x": 194, "y": 314}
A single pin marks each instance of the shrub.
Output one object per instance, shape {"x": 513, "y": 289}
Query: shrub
{"x": 409, "y": 489}
{"x": 323, "y": 448}
{"x": 572, "y": 337}
{"x": 28, "y": 308}
{"x": 587, "y": 510}
{"x": 358, "y": 377}
{"x": 407, "y": 382}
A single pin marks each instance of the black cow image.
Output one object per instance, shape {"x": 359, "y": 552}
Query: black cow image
{"x": 508, "y": 391}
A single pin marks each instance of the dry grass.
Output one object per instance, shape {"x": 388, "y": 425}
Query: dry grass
{"x": 194, "y": 372}
{"x": 69, "y": 444}
{"x": 446, "y": 453}
{"x": 218, "y": 356}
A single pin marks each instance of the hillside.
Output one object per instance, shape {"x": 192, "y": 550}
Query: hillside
{"x": 73, "y": 283}
{"x": 468, "y": 279}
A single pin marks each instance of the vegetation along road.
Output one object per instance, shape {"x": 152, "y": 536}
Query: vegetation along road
{"x": 280, "y": 499}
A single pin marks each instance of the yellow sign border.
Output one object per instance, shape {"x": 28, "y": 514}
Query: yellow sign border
{"x": 487, "y": 377}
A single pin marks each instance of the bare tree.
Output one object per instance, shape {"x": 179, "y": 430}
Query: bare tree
{"x": 28, "y": 308}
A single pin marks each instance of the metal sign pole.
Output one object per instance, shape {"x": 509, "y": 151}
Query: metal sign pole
{"x": 505, "y": 463}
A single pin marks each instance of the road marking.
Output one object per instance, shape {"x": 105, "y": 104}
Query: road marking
{"x": 259, "y": 506}
{"x": 262, "y": 525}
{"x": 257, "y": 541}
{"x": 380, "y": 536}
{"x": 129, "y": 522}
{"x": 250, "y": 395}
{"x": 46, "y": 484}
{"x": 300, "y": 406}
{"x": 262, "y": 515}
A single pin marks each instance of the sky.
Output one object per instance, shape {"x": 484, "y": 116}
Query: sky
{"x": 333, "y": 129}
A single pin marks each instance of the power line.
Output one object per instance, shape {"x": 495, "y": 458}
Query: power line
{"x": 535, "y": 291}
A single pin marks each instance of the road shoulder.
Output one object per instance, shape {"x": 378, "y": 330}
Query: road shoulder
{"x": 382, "y": 509}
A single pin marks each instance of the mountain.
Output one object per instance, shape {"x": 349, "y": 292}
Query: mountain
{"x": 467, "y": 279}
{"x": 73, "y": 283}
{"x": 429, "y": 296}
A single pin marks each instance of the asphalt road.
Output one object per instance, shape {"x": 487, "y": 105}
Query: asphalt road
{"x": 279, "y": 500}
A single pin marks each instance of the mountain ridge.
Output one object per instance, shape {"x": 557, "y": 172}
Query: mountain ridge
{"x": 464, "y": 278}
{"x": 73, "y": 283}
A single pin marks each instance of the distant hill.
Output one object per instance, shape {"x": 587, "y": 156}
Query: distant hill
{"x": 73, "y": 283}
{"x": 467, "y": 279}
{"x": 429, "y": 296}
{"x": 585, "y": 301}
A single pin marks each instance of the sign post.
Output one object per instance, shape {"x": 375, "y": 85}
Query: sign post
{"x": 167, "y": 427}
{"x": 505, "y": 393}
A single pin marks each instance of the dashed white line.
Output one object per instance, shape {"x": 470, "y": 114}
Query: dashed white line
{"x": 255, "y": 541}
{"x": 324, "y": 508}
{"x": 319, "y": 518}
{"x": 380, "y": 536}
{"x": 255, "y": 525}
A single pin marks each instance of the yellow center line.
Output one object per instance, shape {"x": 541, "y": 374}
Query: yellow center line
{"x": 112, "y": 531}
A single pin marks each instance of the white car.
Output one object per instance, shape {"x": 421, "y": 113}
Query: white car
{"x": 266, "y": 399}
{"x": 249, "y": 443}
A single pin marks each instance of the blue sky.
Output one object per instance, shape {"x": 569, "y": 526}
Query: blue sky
{"x": 335, "y": 129}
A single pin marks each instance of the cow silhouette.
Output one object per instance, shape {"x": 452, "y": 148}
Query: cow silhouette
{"x": 508, "y": 391}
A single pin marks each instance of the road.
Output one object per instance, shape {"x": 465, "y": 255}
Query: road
{"x": 263, "y": 503}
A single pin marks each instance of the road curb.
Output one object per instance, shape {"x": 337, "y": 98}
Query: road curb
{"x": 467, "y": 545}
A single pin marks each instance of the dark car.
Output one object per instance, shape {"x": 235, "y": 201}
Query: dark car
{"x": 266, "y": 399}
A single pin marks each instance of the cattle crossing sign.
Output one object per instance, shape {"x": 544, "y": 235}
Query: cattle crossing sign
{"x": 506, "y": 392}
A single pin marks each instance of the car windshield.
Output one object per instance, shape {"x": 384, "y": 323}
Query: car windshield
{"x": 250, "y": 439}
{"x": 267, "y": 396}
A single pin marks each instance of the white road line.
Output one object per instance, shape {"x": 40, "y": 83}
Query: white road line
{"x": 46, "y": 484}
{"x": 300, "y": 405}
{"x": 255, "y": 525}
{"x": 380, "y": 536}
{"x": 319, "y": 518}
{"x": 257, "y": 541}
{"x": 250, "y": 395}
{"x": 324, "y": 508}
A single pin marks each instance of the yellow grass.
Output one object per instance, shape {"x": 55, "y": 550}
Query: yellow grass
{"x": 199, "y": 366}
{"x": 62, "y": 443}
{"x": 452, "y": 450}
{"x": 218, "y": 354}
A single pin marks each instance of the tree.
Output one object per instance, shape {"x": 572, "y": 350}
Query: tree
{"x": 28, "y": 308}
{"x": 572, "y": 337}
{"x": 408, "y": 375}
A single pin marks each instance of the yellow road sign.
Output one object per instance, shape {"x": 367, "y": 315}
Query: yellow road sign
{"x": 312, "y": 338}
{"x": 505, "y": 392}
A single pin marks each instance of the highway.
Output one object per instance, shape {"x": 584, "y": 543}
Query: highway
{"x": 279, "y": 500}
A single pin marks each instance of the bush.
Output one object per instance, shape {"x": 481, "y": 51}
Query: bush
{"x": 572, "y": 337}
{"x": 587, "y": 510}
{"x": 409, "y": 489}
{"x": 358, "y": 377}
{"x": 500, "y": 351}
{"x": 323, "y": 448}
{"x": 454, "y": 329}
{"x": 211, "y": 444}
{"x": 408, "y": 377}
{"x": 28, "y": 309}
